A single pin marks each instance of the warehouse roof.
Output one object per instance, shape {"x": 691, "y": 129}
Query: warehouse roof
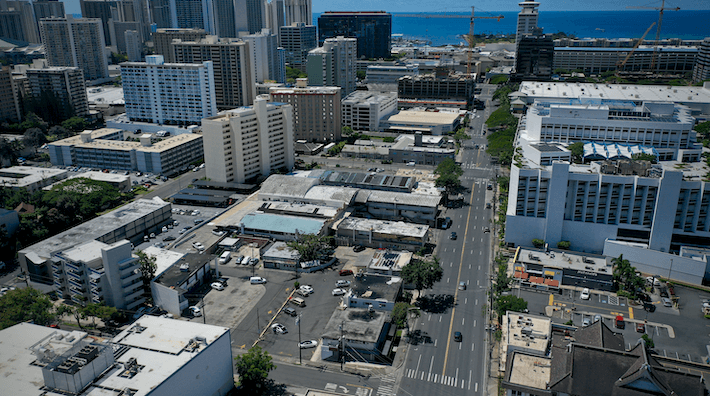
{"x": 282, "y": 224}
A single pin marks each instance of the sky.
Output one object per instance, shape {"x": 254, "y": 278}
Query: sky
{"x": 72, "y": 6}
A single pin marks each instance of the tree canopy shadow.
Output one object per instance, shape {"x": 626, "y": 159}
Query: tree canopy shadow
{"x": 268, "y": 388}
{"x": 435, "y": 303}
{"x": 417, "y": 337}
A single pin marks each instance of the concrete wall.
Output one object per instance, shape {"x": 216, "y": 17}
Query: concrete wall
{"x": 653, "y": 262}
{"x": 166, "y": 298}
{"x": 209, "y": 373}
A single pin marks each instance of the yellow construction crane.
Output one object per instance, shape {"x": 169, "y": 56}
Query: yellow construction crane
{"x": 621, "y": 64}
{"x": 658, "y": 28}
{"x": 468, "y": 37}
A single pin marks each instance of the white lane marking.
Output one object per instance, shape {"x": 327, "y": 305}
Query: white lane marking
{"x": 422, "y": 378}
{"x": 430, "y": 317}
{"x": 460, "y": 346}
{"x": 478, "y": 282}
{"x": 463, "y": 321}
{"x": 479, "y": 267}
{"x": 435, "y": 342}
{"x": 470, "y": 372}
{"x": 418, "y": 361}
{"x": 430, "y": 366}
{"x": 440, "y": 322}
{"x": 474, "y": 323}
{"x": 469, "y": 266}
{"x": 476, "y": 302}
{"x": 447, "y": 280}
{"x": 436, "y": 376}
{"x": 465, "y": 300}
{"x": 476, "y": 387}
{"x": 473, "y": 346}
{"x": 451, "y": 264}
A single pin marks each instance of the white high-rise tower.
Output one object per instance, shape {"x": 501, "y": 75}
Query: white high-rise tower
{"x": 527, "y": 19}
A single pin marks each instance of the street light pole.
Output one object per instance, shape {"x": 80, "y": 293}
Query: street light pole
{"x": 298, "y": 322}
{"x": 342, "y": 347}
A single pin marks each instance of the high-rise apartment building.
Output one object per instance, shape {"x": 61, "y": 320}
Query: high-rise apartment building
{"x": 373, "y": 31}
{"x": 527, "y": 19}
{"x": 701, "y": 70}
{"x": 193, "y": 14}
{"x": 9, "y": 103}
{"x": 275, "y": 17}
{"x": 298, "y": 11}
{"x": 65, "y": 85}
{"x": 333, "y": 64}
{"x": 116, "y": 11}
{"x": 163, "y": 38}
{"x": 161, "y": 14}
{"x": 296, "y": 40}
{"x": 48, "y": 9}
{"x": 75, "y": 43}
{"x": 229, "y": 19}
{"x": 17, "y": 21}
{"x": 317, "y": 115}
{"x": 264, "y": 55}
{"x": 134, "y": 45}
{"x": 232, "y": 65}
{"x": 117, "y": 32}
{"x": 256, "y": 15}
{"x": 247, "y": 143}
{"x": 168, "y": 93}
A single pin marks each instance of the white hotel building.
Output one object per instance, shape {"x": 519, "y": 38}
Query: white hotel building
{"x": 665, "y": 126}
{"x": 168, "y": 93}
{"x": 246, "y": 143}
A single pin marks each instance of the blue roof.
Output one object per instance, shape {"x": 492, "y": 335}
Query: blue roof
{"x": 284, "y": 224}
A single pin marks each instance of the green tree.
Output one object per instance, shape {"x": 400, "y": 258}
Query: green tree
{"x": 460, "y": 136}
{"x": 253, "y": 368}
{"x": 625, "y": 276}
{"x": 147, "y": 269}
{"x": 510, "y": 303}
{"x": 448, "y": 166}
{"x": 76, "y": 311}
{"x": 577, "y": 151}
{"x": 34, "y": 138}
{"x": 293, "y": 73}
{"x": 499, "y": 79}
{"x": 26, "y": 305}
{"x": 101, "y": 311}
{"x": 644, "y": 157}
{"x": 399, "y": 314}
{"x": 59, "y": 132}
{"x": 361, "y": 74}
{"x": 347, "y": 131}
{"x": 75, "y": 124}
{"x": 312, "y": 247}
{"x": 648, "y": 341}
{"x": 565, "y": 245}
{"x": 538, "y": 243}
{"x": 423, "y": 274}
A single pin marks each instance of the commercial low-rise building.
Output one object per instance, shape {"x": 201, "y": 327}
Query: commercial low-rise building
{"x": 153, "y": 356}
{"x": 363, "y": 110}
{"x": 428, "y": 122}
{"x": 436, "y": 86}
{"x": 356, "y": 331}
{"x": 130, "y": 222}
{"x": 105, "y": 149}
{"x": 373, "y": 292}
{"x": 184, "y": 275}
{"x": 552, "y": 269}
{"x": 30, "y": 178}
{"x": 381, "y": 233}
{"x": 597, "y": 60}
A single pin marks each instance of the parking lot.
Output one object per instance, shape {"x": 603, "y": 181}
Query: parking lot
{"x": 680, "y": 332}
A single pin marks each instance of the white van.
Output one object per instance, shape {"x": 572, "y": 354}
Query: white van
{"x": 245, "y": 260}
{"x": 256, "y": 280}
{"x": 297, "y": 301}
{"x": 225, "y": 257}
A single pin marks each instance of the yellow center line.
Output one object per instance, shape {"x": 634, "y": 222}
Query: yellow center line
{"x": 631, "y": 313}
{"x": 552, "y": 300}
{"x": 458, "y": 280}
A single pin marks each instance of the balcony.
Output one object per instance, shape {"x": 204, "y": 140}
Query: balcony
{"x": 136, "y": 294}
{"x": 130, "y": 279}
{"x": 75, "y": 283}
{"x": 71, "y": 266}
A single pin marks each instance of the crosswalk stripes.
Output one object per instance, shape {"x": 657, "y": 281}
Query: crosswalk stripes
{"x": 444, "y": 379}
{"x": 387, "y": 385}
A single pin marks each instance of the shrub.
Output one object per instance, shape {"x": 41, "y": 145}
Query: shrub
{"x": 538, "y": 243}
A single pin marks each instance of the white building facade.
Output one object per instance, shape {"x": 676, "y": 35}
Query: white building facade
{"x": 363, "y": 110}
{"x": 249, "y": 142}
{"x": 264, "y": 55}
{"x": 333, "y": 64}
{"x": 177, "y": 94}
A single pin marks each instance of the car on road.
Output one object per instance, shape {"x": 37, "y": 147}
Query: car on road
{"x": 338, "y": 292}
{"x": 217, "y": 286}
{"x": 649, "y": 307}
{"x": 195, "y": 311}
{"x": 342, "y": 283}
{"x": 308, "y": 344}
{"x": 184, "y": 230}
{"x": 358, "y": 248}
{"x": 453, "y": 236}
{"x": 488, "y": 205}
{"x": 486, "y": 229}
{"x": 666, "y": 302}
{"x": 411, "y": 163}
{"x": 345, "y": 272}
{"x": 199, "y": 246}
{"x": 198, "y": 221}
{"x": 257, "y": 280}
{"x": 169, "y": 238}
{"x": 640, "y": 328}
{"x": 458, "y": 337}
{"x": 290, "y": 311}
{"x": 585, "y": 294}
{"x": 462, "y": 285}
{"x": 278, "y": 328}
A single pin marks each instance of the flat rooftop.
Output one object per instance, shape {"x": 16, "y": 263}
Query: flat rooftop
{"x": 558, "y": 259}
{"x": 359, "y": 325}
{"x": 94, "y": 228}
{"x": 304, "y": 91}
{"x": 23, "y": 176}
{"x": 307, "y": 210}
{"x": 267, "y": 223}
{"x": 122, "y": 145}
{"x": 164, "y": 258}
{"x": 529, "y": 370}
{"x": 86, "y": 252}
{"x": 394, "y": 228}
{"x": 385, "y": 260}
{"x": 364, "y": 180}
{"x": 368, "y": 98}
{"x": 657, "y": 93}
{"x": 174, "y": 277}
{"x": 105, "y": 95}
{"x": 376, "y": 287}
{"x": 101, "y": 176}
{"x": 290, "y": 186}
{"x": 424, "y": 117}
{"x": 279, "y": 250}
{"x": 167, "y": 335}
{"x": 344, "y": 195}
{"x": 398, "y": 198}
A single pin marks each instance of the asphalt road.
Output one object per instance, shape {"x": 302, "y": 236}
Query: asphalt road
{"x": 439, "y": 364}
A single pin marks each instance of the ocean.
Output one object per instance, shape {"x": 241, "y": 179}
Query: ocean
{"x": 596, "y": 24}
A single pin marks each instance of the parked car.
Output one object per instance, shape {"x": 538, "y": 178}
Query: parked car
{"x": 358, "y": 248}
{"x": 338, "y": 292}
{"x": 597, "y": 318}
{"x": 342, "y": 283}
{"x": 219, "y": 233}
{"x": 488, "y": 205}
{"x": 278, "y": 328}
{"x": 257, "y": 280}
{"x": 198, "y": 221}
{"x": 585, "y": 294}
{"x": 290, "y": 311}
{"x": 217, "y": 286}
{"x": 345, "y": 272}
{"x": 640, "y": 328}
{"x": 198, "y": 246}
{"x": 619, "y": 322}
{"x": 306, "y": 288}
{"x": 486, "y": 229}
{"x": 196, "y": 311}
{"x": 666, "y": 302}
{"x": 649, "y": 307}
{"x": 169, "y": 238}
{"x": 308, "y": 344}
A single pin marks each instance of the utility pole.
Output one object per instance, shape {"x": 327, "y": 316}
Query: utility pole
{"x": 342, "y": 346}
{"x": 204, "y": 312}
{"x": 298, "y": 322}
{"x": 258, "y": 328}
